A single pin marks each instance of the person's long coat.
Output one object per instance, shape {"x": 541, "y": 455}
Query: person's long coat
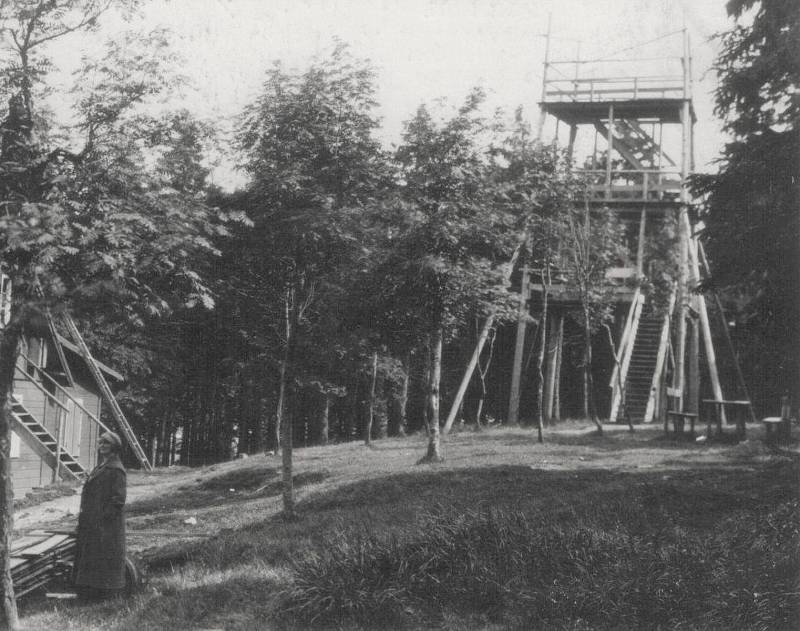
{"x": 100, "y": 552}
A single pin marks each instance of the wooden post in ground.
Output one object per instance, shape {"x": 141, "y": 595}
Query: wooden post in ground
{"x": 679, "y": 378}
{"x": 708, "y": 342}
{"x": 519, "y": 348}
{"x": 551, "y": 357}
{"x": 739, "y": 376}
{"x": 691, "y": 402}
{"x": 556, "y": 416}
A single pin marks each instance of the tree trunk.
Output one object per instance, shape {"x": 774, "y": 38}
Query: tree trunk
{"x": 163, "y": 442}
{"x": 324, "y": 421}
{"x": 557, "y": 378}
{"x": 551, "y": 355}
{"x": 402, "y": 421}
{"x": 9, "y": 346}
{"x": 587, "y": 374}
{"x": 426, "y": 379}
{"x": 371, "y": 410}
{"x": 585, "y": 383}
{"x": 287, "y": 482}
{"x": 282, "y": 372}
{"x": 540, "y": 361}
{"x": 286, "y": 419}
{"x": 482, "y": 372}
{"x": 281, "y": 400}
{"x": 350, "y": 419}
{"x": 479, "y": 408}
{"x": 434, "y": 453}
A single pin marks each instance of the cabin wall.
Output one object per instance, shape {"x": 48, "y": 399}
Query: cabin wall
{"x": 85, "y": 430}
{"x": 79, "y": 432}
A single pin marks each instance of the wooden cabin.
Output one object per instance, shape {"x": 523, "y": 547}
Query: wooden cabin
{"x": 56, "y": 413}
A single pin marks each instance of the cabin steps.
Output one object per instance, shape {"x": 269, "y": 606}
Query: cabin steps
{"x": 39, "y": 438}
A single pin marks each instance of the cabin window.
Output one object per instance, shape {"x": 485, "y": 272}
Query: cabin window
{"x": 37, "y": 356}
{"x": 15, "y": 443}
{"x": 73, "y": 427}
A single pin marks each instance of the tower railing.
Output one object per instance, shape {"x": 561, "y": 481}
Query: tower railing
{"x": 633, "y": 185}
{"x": 604, "y": 89}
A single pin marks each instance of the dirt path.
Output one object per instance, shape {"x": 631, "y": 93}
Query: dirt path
{"x": 62, "y": 512}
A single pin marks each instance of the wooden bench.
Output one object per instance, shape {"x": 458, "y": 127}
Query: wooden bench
{"x": 679, "y": 418}
{"x": 737, "y": 408}
{"x": 778, "y": 429}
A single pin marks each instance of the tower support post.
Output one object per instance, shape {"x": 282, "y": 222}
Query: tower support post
{"x": 519, "y": 348}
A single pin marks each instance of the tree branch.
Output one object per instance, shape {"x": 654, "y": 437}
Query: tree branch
{"x": 88, "y": 17}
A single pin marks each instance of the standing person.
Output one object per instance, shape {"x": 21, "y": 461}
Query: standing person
{"x": 100, "y": 550}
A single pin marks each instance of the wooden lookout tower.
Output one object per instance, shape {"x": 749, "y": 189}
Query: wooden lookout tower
{"x": 629, "y": 129}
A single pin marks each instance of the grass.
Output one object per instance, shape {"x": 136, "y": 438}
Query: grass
{"x": 600, "y": 566}
{"x": 617, "y": 531}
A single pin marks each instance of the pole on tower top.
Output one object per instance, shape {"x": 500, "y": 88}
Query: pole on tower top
{"x": 542, "y": 114}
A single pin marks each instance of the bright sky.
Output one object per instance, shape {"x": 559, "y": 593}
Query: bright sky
{"x": 426, "y": 49}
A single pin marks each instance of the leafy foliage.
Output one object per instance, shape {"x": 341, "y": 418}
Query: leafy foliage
{"x": 445, "y": 263}
{"x": 750, "y": 207}
{"x": 88, "y": 229}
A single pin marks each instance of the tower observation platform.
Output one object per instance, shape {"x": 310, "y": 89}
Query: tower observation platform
{"x": 630, "y": 119}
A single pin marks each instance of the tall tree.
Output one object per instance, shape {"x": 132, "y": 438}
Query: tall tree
{"x": 594, "y": 243}
{"x": 87, "y": 228}
{"x": 446, "y": 265}
{"x": 309, "y": 150}
{"x": 752, "y": 226}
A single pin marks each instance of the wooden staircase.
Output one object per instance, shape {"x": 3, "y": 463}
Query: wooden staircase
{"x": 636, "y": 145}
{"x": 38, "y": 438}
{"x": 639, "y": 378}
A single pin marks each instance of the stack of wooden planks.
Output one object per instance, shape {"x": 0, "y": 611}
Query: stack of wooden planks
{"x": 40, "y": 556}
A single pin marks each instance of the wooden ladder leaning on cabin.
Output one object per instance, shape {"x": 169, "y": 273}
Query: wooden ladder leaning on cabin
{"x": 109, "y": 397}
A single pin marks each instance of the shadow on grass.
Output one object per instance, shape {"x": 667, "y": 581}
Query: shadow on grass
{"x": 392, "y": 505}
{"x": 229, "y": 488}
{"x": 614, "y": 439}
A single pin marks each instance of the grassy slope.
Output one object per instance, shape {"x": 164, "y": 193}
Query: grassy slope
{"x": 236, "y": 579}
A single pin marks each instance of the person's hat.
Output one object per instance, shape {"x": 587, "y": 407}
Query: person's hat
{"x": 113, "y": 439}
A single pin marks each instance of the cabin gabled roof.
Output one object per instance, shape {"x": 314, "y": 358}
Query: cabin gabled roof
{"x": 65, "y": 343}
